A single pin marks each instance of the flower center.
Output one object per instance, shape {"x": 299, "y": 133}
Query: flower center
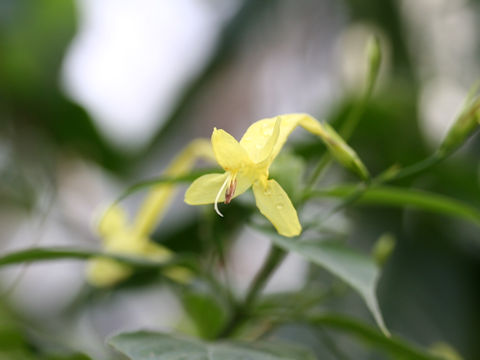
{"x": 230, "y": 192}
{"x": 231, "y": 180}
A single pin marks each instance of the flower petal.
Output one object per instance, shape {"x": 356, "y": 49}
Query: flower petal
{"x": 274, "y": 203}
{"x": 104, "y": 272}
{"x": 259, "y": 133}
{"x": 204, "y": 190}
{"x": 228, "y": 152}
{"x": 113, "y": 220}
{"x": 160, "y": 197}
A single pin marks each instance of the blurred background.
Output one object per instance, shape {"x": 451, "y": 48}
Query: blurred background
{"x": 98, "y": 95}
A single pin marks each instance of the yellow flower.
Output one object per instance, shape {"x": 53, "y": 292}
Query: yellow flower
{"x": 246, "y": 163}
{"x": 122, "y": 238}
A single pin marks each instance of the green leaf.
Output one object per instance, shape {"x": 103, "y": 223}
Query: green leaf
{"x": 56, "y": 253}
{"x": 205, "y": 311}
{"x": 395, "y": 196}
{"x": 144, "y": 345}
{"x": 393, "y": 344}
{"x": 357, "y": 270}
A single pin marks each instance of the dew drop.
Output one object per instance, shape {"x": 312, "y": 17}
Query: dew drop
{"x": 279, "y": 206}
{"x": 267, "y": 132}
{"x": 267, "y": 192}
{"x": 258, "y": 146}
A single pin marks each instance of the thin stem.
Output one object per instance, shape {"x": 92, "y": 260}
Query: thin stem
{"x": 241, "y": 312}
{"x": 381, "y": 179}
{"x": 417, "y": 168}
{"x": 319, "y": 169}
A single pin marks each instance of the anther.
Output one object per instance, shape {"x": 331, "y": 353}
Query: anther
{"x": 230, "y": 192}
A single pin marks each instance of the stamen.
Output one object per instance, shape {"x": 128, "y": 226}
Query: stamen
{"x": 215, "y": 205}
{"x": 230, "y": 191}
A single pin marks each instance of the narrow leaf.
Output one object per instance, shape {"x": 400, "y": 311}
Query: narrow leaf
{"x": 395, "y": 196}
{"x": 57, "y": 253}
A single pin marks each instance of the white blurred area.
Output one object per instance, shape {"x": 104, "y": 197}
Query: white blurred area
{"x": 443, "y": 38}
{"x": 131, "y": 60}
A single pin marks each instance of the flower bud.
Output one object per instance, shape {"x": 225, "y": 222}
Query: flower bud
{"x": 374, "y": 58}
{"x": 344, "y": 154}
{"x": 383, "y": 248}
{"x": 464, "y": 126}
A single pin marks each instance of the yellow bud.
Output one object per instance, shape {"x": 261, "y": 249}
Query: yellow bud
{"x": 444, "y": 351}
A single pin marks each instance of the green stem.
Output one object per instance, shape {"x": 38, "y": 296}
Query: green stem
{"x": 416, "y": 168}
{"x": 317, "y": 172}
{"x": 241, "y": 312}
{"x": 381, "y": 179}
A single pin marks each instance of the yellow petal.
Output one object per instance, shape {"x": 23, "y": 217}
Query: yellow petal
{"x": 204, "y": 190}
{"x": 112, "y": 221}
{"x": 156, "y": 252}
{"x": 159, "y": 198}
{"x": 259, "y": 133}
{"x": 183, "y": 162}
{"x": 274, "y": 203}
{"x": 256, "y": 138}
{"x": 228, "y": 152}
{"x": 125, "y": 242}
{"x": 261, "y": 138}
{"x": 104, "y": 272}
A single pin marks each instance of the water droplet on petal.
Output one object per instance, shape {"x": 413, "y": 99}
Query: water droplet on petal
{"x": 267, "y": 132}
{"x": 279, "y": 206}
{"x": 267, "y": 192}
{"x": 258, "y": 146}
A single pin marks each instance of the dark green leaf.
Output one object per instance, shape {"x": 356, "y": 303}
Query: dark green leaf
{"x": 393, "y": 345}
{"x": 357, "y": 270}
{"x": 145, "y": 345}
{"x": 205, "y": 311}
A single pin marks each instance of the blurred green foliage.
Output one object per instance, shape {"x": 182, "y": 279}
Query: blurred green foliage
{"x": 429, "y": 287}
